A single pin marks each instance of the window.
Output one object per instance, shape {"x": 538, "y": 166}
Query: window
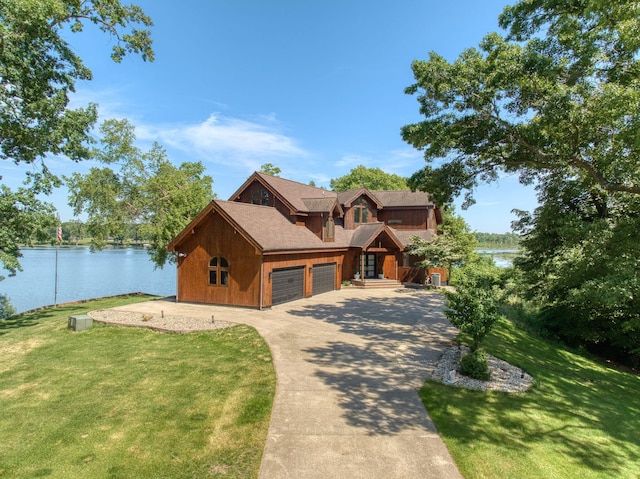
{"x": 260, "y": 196}
{"x": 219, "y": 271}
{"x": 329, "y": 229}
{"x": 361, "y": 212}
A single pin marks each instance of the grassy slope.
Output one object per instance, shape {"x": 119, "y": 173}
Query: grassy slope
{"x": 581, "y": 419}
{"x": 130, "y": 403}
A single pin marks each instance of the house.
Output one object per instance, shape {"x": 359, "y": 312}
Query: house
{"x": 276, "y": 240}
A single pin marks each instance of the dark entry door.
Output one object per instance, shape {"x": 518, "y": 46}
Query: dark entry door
{"x": 370, "y": 266}
{"x": 287, "y": 285}
{"x": 324, "y": 278}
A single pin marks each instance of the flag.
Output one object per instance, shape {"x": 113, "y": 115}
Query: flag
{"x": 59, "y": 233}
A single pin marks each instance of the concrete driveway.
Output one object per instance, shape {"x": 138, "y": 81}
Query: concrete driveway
{"x": 348, "y": 364}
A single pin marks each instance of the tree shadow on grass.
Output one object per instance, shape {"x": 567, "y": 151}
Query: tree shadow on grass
{"x": 24, "y": 320}
{"x": 579, "y": 409}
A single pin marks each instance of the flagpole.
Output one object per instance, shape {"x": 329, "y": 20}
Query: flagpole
{"x": 58, "y": 240}
{"x": 55, "y": 290}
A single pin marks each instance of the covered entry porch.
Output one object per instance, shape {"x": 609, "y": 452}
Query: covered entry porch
{"x": 376, "y": 256}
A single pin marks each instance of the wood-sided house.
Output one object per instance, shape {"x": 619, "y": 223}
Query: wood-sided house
{"x": 277, "y": 240}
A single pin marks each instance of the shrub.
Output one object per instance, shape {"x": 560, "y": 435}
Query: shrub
{"x": 6, "y": 309}
{"x": 475, "y": 365}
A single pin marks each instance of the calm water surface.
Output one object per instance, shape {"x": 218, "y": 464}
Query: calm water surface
{"x": 84, "y": 275}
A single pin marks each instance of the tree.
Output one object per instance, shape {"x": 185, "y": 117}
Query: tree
{"x": 370, "y": 178}
{"x": 23, "y": 219}
{"x": 6, "y": 309}
{"x": 455, "y": 244}
{"x": 38, "y": 72}
{"x": 147, "y": 189}
{"x": 582, "y": 268}
{"x": 270, "y": 169}
{"x": 558, "y": 96}
{"x": 556, "y": 101}
{"x": 473, "y": 308}
{"x": 73, "y": 231}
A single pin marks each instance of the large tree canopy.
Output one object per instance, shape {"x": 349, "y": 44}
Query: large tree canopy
{"x": 145, "y": 189}
{"x": 39, "y": 69}
{"x": 559, "y": 95}
{"x": 371, "y": 178}
{"x": 556, "y": 101}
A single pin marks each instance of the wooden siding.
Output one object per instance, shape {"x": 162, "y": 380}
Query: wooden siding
{"x": 405, "y": 219}
{"x": 307, "y": 260}
{"x": 216, "y": 237}
{"x": 349, "y": 265}
{"x": 314, "y": 224}
{"x": 348, "y": 214}
{"x": 413, "y": 274}
{"x": 432, "y": 221}
{"x": 408, "y": 274}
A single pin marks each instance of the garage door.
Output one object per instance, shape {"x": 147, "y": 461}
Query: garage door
{"x": 287, "y": 285}
{"x": 324, "y": 278}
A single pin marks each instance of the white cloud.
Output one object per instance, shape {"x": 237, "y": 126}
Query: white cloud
{"x": 226, "y": 140}
{"x": 353, "y": 161}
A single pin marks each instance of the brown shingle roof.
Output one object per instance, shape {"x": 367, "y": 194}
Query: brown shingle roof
{"x": 295, "y": 192}
{"x": 316, "y": 205}
{"x": 270, "y": 229}
{"x": 365, "y": 233}
{"x": 349, "y": 196}
{"x": 387, "y": 198}
{"x": 405, "y": 235}
{"x": 397, "y": 198}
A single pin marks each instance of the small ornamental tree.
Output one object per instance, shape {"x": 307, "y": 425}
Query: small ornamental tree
{"x": 473, "y": 309}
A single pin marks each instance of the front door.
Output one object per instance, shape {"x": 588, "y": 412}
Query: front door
{"x": 369, "y": 266}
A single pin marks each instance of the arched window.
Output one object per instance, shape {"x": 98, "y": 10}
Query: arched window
{"x": 260, "y": 196}
{"x": 219, "y": 271}
{"x": 329, "y": 229}
{"x": 361, "y": 211}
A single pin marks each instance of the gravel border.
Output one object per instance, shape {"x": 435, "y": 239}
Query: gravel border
{"x": 159, "y": 322}
{"x": 504, "y": 376}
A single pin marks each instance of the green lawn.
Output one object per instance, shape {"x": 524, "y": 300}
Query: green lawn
{"x": 580, "y": 420}
{"x": 130, "y": 403}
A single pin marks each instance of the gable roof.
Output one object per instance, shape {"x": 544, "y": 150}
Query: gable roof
{"x": 387, "y": 198}
{"x": 291, "y": 193}
{"x": 270, "y": 229}
{"x": 367, "y": 233}
{"x": 319, "y": 205}
{"x": 347, "y": 198}
{"x": 263, "y": 226}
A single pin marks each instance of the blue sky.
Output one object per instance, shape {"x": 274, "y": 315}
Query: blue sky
{"x": 314, "y": 87}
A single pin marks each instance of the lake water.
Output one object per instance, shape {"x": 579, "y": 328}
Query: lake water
{"x": 84, "y": 275}
{"x": 503, "y": 258}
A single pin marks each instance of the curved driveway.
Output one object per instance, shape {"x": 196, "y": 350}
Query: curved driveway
{"x": 348, "y": 364}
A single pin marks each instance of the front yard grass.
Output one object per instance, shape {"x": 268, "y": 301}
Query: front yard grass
{"x": 116, "y": 402}
{"x": 580, "y": 420}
